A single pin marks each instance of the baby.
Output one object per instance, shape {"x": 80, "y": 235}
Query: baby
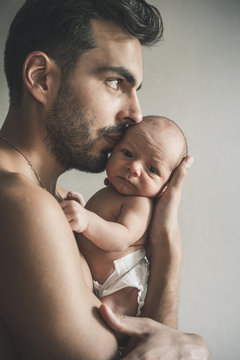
{"x": 113, "y": 228}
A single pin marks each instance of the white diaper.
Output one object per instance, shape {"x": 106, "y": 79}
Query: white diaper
{"x": 131, "y": 270}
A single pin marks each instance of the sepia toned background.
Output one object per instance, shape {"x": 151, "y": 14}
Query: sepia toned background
{"x": 193, "y": 77}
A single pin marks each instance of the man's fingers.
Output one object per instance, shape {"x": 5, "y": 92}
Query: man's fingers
{"x": 129, "y": 325}
{"x": 181, "y": 172}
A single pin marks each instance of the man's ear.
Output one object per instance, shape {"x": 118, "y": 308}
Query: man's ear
{"x": 41, "y": 76}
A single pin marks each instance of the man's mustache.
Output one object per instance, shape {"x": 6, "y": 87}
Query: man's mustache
{"x": 120, "y": 129}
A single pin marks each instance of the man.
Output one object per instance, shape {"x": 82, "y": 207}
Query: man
{"x": 73, "y": 69}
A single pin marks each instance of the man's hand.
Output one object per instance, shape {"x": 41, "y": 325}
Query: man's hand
{"x": 153, "y": 340}
{"x": 165, "y": 251}
{"x": 165, "y": 219}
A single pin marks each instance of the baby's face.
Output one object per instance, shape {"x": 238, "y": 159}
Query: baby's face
{"x": 142, "y": 162}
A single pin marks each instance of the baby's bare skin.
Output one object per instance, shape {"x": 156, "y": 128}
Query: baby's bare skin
{"x": 101, "y": 261}
{"x": 115, "y": 220}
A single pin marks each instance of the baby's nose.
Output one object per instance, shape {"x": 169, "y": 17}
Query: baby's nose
{"x": 135, "y": 168}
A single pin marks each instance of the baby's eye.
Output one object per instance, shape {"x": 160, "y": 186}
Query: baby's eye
{"x": 114, "y": 83}
{"x": 152, "y": 169}
{"x": 127, "y": 153}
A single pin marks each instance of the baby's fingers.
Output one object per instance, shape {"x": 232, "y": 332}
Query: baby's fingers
{"x": 76, "y": 196}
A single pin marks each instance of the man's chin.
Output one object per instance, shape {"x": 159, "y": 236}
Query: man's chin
{"x": 93, "y": 165}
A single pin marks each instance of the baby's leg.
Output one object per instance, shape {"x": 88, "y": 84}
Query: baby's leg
{"x": 123, "y": 301}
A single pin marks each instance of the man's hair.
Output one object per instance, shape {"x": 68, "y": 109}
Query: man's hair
{"x": 62, "y": 29}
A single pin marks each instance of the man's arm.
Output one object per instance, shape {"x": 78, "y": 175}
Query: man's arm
{"x": 155, "y": 341}
{"x": 45, "y": 302}
{"x": 130, "y": 224}
{"x": 166, "y": 252}
{"x": 149, "y": 338}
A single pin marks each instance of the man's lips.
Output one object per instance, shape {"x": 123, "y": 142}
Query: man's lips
{"x": 113, "y": 139}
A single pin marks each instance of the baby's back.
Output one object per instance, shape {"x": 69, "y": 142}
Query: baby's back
{"x": 107, "y": 203}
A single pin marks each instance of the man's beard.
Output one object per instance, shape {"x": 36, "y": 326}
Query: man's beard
{"x": 68, "y": 134}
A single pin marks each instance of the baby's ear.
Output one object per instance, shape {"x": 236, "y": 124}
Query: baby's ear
{"x": 107, "y": 182}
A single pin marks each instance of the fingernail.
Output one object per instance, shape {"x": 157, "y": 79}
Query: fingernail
{"x": 188, "y": 162}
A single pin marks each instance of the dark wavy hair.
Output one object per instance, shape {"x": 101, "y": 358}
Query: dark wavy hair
{"x": 62, "y": 29}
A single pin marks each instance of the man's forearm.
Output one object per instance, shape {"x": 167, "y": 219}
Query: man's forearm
{"x": 162, "y": 296}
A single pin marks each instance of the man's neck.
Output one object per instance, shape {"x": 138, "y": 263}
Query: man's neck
{"x": 26, "y": 138}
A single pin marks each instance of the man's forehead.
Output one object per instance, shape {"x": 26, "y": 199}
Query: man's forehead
{"x": 116, "y": 48}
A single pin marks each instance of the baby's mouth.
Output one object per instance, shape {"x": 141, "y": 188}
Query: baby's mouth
{"x": 124, "y": 178}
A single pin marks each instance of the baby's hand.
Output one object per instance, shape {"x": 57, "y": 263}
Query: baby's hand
{"x": 71, "y": 195}
{"x": 76, "y": 215}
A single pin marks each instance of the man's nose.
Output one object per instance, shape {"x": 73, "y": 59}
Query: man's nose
{"x": 131, "y": 112}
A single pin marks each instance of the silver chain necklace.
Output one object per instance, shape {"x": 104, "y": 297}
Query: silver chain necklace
{"x": 25, "y": 157}
{"x": 57, "y": 195}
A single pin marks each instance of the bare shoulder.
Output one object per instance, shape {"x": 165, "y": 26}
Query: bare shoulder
{"x": 107, "y": 192}
{"x": 138, "y": 203}
{"x": 16, "y": 186}
{"x": 45, "y": 302}
{"x": 141, "y": 200}
{"x": 32, "y": 222}
{"x": 105, "y": 202}
{"x": 20, "y": 199}
{"x": 31, "y": 219}
{"x": 108, "y": 201}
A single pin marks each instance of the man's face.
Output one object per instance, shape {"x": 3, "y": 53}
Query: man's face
{"x": 96, "y": 101}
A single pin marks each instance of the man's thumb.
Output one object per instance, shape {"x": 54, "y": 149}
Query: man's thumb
{"x": 129, "y": 325}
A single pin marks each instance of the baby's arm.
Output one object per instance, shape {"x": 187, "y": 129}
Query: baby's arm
{"x": 130, "y": 225}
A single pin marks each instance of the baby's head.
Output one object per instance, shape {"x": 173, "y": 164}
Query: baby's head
{"x": 144, "y": 159}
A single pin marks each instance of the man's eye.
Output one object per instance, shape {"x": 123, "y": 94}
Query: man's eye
{"x": 127, "y": 153}
{"x": 152, "y": 169}
{"x": 114, "y": 83}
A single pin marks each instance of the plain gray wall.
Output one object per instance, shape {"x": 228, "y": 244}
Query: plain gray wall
{"x": 193, "y": 77}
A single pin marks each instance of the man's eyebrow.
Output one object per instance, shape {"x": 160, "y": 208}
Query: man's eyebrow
{"x": 122, "y": 71}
